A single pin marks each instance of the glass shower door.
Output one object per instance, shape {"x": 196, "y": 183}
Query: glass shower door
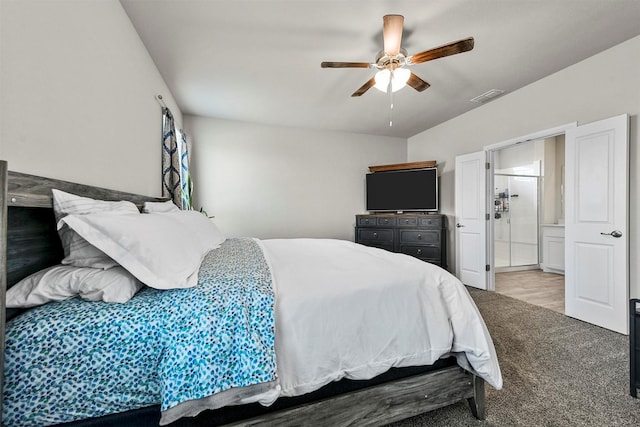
{"x": 501, "y": 222}
{"x": 516, "y": 221}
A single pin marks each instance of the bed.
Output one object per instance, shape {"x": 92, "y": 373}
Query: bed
{"x": 323, "y": 376}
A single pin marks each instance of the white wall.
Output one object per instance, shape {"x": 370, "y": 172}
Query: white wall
{"x": 273, "y": 182}
{"x": 605, "y": 85}
{"x": 77, "y": 95}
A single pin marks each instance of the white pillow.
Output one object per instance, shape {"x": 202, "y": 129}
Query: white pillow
{"x": 208, "y": 234}
{"x": 77, "y": 251}
{"x": 167, "y": 206}
{"x": 163, "y": 251}
{"x": 61, "y": 282}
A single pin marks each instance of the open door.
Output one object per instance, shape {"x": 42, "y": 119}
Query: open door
{"x": 471, "y": 224}
{"x": 596, "y": 223}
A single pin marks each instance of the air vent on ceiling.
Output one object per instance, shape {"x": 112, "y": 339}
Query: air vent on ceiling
{"x": 487, "y": 96}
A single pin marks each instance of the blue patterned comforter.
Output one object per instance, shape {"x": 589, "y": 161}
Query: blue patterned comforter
{"x": 77, "y": 359}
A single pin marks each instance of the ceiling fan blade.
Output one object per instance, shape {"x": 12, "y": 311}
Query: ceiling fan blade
{"x": 392, "y": 33}
{"x": 365, "y": 87}
{"x": 345, "y": 65}
{"x": 442, "y": 51}
{"x": 417, "y": 83}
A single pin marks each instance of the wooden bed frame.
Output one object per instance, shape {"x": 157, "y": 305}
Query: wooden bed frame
{"x": 29, "y": 242}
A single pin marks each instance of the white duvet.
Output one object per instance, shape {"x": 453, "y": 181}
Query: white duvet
{"x": 347, "y": 310}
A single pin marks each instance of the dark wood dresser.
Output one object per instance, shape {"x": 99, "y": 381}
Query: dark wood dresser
{"x": 420, "y": 235}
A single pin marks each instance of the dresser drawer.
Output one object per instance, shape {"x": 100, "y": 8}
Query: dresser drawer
{"x": 411, "y": 221}
{"x": 430, "y": 222}
{"x": 426, "y": 252}
{"x": 386, "y": 221}
{"x": 420, "y": 236}
{"x": 367, "y": 221}
{"x": 369, "y": 235}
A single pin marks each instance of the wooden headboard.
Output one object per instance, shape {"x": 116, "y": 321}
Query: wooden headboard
{"x": 29, "y": 238}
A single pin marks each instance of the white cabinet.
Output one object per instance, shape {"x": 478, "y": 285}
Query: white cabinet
{"x": 553, "y": 248}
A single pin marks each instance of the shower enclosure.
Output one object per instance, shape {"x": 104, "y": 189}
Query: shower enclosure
{"x": 515, "y": 215}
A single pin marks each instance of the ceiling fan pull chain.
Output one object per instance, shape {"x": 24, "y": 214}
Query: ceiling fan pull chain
{"x": 390, "y": 99}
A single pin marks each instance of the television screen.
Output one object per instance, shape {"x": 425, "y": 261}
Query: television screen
{"x": 407, "y": 190}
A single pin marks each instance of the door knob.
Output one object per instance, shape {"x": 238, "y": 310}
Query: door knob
{"x": 614, "y": 233}
{"x": 459, "y": 225}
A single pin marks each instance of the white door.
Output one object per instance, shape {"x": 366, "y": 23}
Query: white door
{"x": 596, "y": 221}
{"x": 471, "y": 228}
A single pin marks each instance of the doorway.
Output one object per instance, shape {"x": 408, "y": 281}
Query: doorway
{"x": 528, "y": 199}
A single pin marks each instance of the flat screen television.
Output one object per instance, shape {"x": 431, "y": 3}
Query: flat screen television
{"x": 406, "y": 190}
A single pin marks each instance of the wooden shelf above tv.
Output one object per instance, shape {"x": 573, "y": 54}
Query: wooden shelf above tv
{"x": 404, "y": 166}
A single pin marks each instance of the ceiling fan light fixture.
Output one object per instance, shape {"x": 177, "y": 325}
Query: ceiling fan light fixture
{"x": 400, "y": 79}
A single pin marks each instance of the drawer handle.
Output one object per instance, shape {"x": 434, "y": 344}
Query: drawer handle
{"x": 406, "y": 221}
{"x": 375, "y": 235}
{"x": 419, "y": 251}
{"x": 419, "y": 236}
{"x": 386, "y": 221}
{"x": 366, "y": 221}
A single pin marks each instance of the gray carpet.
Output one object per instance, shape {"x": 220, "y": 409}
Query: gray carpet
{"x": 557, "y": 371}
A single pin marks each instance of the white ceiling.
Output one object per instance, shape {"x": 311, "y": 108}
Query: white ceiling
{"x": 259, "y": 61}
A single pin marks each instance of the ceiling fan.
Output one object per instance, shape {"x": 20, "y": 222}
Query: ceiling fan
{"x": 392, "y": 60}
